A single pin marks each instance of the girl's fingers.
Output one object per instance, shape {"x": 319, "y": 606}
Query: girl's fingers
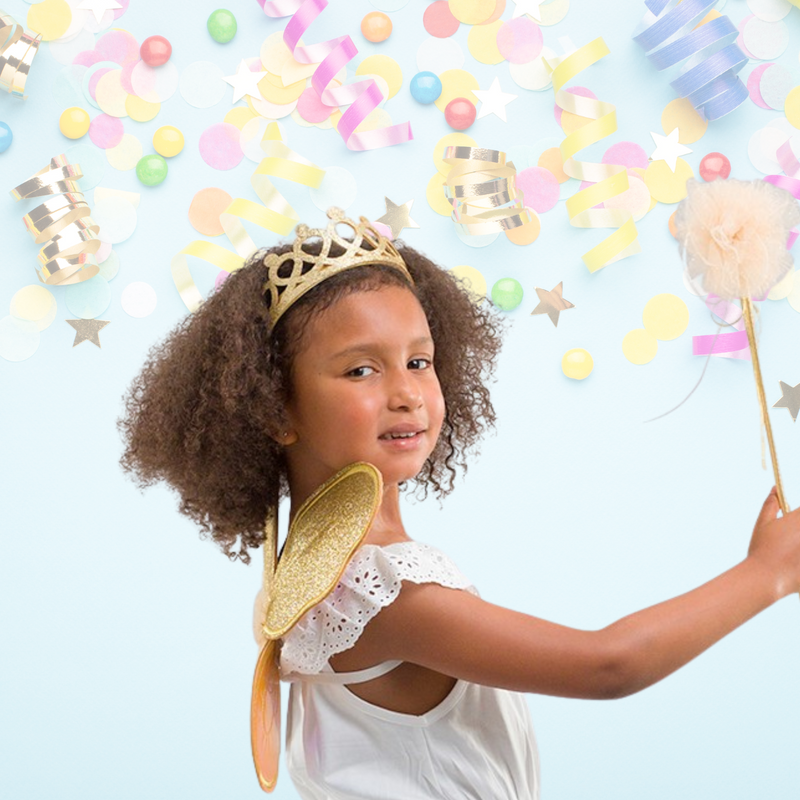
{"x": 769, "y": 510}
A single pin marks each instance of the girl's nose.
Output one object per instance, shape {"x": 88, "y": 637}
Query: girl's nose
{"x": 405, "y": 393}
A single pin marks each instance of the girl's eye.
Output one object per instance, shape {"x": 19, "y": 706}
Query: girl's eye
{"x": 420, "y": 363}
{"x": 359, "y": 372}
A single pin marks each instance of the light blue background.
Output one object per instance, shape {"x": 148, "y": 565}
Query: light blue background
{"x": 126, "y": 652}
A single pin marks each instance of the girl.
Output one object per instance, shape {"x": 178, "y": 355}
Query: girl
{"x": 405, "y": 683}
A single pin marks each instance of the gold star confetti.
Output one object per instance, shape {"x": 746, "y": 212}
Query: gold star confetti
{"x": 87, "y": 330}
{"x": 790, "y": 399}
{"x": 552, "y": 303}
{"x": 397, "y": 217}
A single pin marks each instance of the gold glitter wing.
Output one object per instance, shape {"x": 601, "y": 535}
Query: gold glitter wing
{"x": 327, "y": 530}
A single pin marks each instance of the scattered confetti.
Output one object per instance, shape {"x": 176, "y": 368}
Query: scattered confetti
{"x": 668, "y": 148}
{"x": 765, "y": 40}
{"x": 482, "y": 43}
{"x": 35, "y": 304}
{"x": 681, "y": 114}
{"x": 106, "y": 131}
{"x": 472, "y": 281}
{"x": 539, "y": 187}
{"x": 438, "y": 20}
{"x": 775, "y": 85}
{"x": 520, "y": 40}
{"x": 219, "y": 146}
{"x": 533, "y": 75}
{"x": 205, "y": 209}
{"x": 155, "y": 84}
{"x": 472, "y": 12}
{"x": 436, "y": 197}
{"x": 456, "y": 83}
{"x": 754, "y": 85}
{"x": 639, "y": 346}
{"x": 577, "y": 364}
{"x": 783, "y": 288}
{"x": 525, "y": 234}
{"x": 762, "y": 149}
{"x": 245, "y": 82}
{"x": 770, "y": 10}
{"x": 387, "y": 68}
{"x": 138, "y": 299}
{"x": 109, "y": 268}
{"x": 626, "y": 154}
{"x": 126, "y": 154}
{"x": 665, "y": 185}
{"x": 665, "y": 316}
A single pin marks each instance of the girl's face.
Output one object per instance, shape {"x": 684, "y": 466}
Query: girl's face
{"x": 364, "y": 389}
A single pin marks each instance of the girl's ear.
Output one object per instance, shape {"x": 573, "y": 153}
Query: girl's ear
{"x": 285, "y": 437}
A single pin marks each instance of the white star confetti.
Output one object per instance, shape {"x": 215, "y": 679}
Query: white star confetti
{"x": 493, "y": 100}
{"x": 668, "y": 148}
{"x": 245, "y": 82}
{"x": 99, "y": 7}
{"x": 530, "y": 7}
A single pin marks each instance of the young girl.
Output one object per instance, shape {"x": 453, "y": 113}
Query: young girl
{"x": 405, "y": 683}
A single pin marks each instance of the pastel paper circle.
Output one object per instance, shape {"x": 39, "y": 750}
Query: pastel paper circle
{"x": 519, "y": 40}
{"x": 481, "y": 240}
{"x": 434, "y": 194}
{"x": 472, "y": 12}
{"x": 116, "y": 218}
{"x": 775, "y": 85}
{"x": 762, "y": 149}
{"x": 139, "y": 299}
{"x": 311, "y": 108}
{"x": 539, "y": 188}
{"x": 438, "y": 20}
{"x": 765, "y": 40}
{"x": 753, "y": 85}
{"x": 338, "y": 188}
{"x": 439, "y": 55}
{"x": 665, "y": 185}
{"x": 118, "y": 46}
{"x": 205, "y": 210}
{"x": 155, "y": 84}
{"x": 106, "y": 131}
{"x": 64, "y": 51}
{"x": 387, "y": 68}
{"x": 50, "y": 18}
{"x": 534, "y": 74}
{"x": 88, "y": 299}
{"x": 126, "y": 154}
{"x": 110, "y": 95}
{"x": 482, "y": 43}
{"x": 19, "y": 338}
{"x": 471, "y": 280}
{"x": 92, "y": 76}
{"x": 580, "y": 91}
{"x": 202, "y": 84}
{"x": 456, "y": 83}
{"x": 219, "y": 146}
{"x": 681, "y": 114}
{"x": 636, "y": 199}
{"x": 35, "y": 304}
{"x": 792, "y": 107}
{"x": 639, "y": 346}
{"x": 770, "y": 10}
{"x": 250, "y": 138}
{"x": 626, "y": 154}
{"x": 665, "y": 316}
{"x": 110, "y": 266}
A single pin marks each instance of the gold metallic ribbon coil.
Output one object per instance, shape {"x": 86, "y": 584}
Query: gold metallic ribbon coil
{"x": 17, "y": 50}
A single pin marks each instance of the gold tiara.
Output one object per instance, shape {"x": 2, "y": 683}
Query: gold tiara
{"x": 294, "y": 273}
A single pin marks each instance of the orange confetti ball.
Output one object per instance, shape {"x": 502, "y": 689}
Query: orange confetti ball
{"x": 376, "y": 26}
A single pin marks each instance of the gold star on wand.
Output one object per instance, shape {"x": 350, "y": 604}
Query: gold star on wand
{"x": 397, "y": 217}
{"x": 551, "y": 303}
{"x": 87, "y": 330}
{"x": 790, "y": 399}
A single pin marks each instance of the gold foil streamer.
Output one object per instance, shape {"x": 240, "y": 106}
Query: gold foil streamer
{"x": 62, "y": 223}
{"x": 481, "y": 187}
{"x": 17, "y": 50}
{"x": 609, "y": 180}
{"x": 275, "y": 215}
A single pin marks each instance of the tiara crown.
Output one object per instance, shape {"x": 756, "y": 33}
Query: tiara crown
{"x": 293, "y": 274}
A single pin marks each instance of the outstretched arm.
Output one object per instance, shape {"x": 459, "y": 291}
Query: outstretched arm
{"x": 460, "y": 635}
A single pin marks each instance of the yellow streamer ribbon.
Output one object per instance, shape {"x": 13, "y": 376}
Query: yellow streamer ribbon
{"x": 274, "y": 214}
{"x": 609, "y": 180}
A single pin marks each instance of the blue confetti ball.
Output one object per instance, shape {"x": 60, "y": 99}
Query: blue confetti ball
{"x": 6, "y": 137}
{"x": 426, "y": 87}
{"x": 507, "y": 293}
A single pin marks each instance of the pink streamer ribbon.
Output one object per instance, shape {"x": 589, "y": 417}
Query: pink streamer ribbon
{"x": 726, "y": 345}
{"x": 332, "y": 55}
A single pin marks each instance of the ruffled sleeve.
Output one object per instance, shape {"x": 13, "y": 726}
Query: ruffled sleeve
{"x": 371, "y": 581}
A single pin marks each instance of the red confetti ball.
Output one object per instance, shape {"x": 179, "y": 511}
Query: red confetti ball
{"x": 459, "y": 113}
{"x": 376, "y": 26}
{"x": 713, "y": 166}
{"x": 155, "y": 51}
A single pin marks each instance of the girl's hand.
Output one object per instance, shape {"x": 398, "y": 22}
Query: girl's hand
{"x": 775, "y": 544}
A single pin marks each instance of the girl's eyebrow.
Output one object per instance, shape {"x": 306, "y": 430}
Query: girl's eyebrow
{"x": 365, "y": 347}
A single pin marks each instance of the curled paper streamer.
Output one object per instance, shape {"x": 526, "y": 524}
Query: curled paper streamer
{"x": 708, "y": 78}
{"x": 62, "y": 223}
{"x": 481, "y": 188}
{"x": 17, "y": 49}
{"x": 727, "y": 345}
{"x": 609, "y": 179}
{"x": 274, "y": 215}
{"x": 332, "y": 56}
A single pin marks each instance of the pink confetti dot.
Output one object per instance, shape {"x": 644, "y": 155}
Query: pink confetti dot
{"x": 539, "y": 187}
{"x": 219, "y": 146}
{"x": 221, "y": 278}
{"x": 95, "y": 79}
{"x": 519, "y": 40}
{"x": 87, "y": 58}
{"x": 439, "y": 21}
{"x": 106, "y": 131}
{"x": 626, "y": 154}
{"x": 740, "y": 38}
{"x": 311, "y": 108}
{"x": 125, "y": 77}
{"x": 754, "y": 85}
{"x": 581, "y": 91}
{"x": 120, "y": 47}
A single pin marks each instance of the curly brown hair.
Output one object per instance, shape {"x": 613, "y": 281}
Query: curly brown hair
{"x": 202, "y": 412}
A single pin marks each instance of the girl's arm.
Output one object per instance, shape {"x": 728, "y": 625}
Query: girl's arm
{"x": 458, "y": 634}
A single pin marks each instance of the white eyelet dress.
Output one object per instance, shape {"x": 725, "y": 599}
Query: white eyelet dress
{"x": 477, "y": 744}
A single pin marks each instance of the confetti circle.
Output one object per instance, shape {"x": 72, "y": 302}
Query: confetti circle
{"x": 311, "y": 108}
{"x": 110, "y": 266}
{"x": 534, "y": 74}
{"x": 525, "y": 234}
{"x": 636, "y": 199}
{"x": 106, "y": 131}
{"x": 577, "y": 364}
{"x": 472, "y": 12}
{"x": 151, "y": 170}
{"x": 775, "y": 85}
{"x": 35, "y": 304}
{"x": 539, "y": 188}
{"x": 139, "y": 299}
{"x": 639, "y": 346}
{"x": 119, "y": 46}
{"x": 88, "y": 299}
{"x": 110, "y": 95}
{"x": 438, "y": 20}
{"x": 450, "y": 140}
{"x": 250, "y": 138}
{"x": 681, "y": 114}
{"x": 762, "y": 149}
{"x": 507, "y": 293}
{"x": 155, "y": 51}
{"x": 116, "y": 217}
{"x": 155, "y": 84}
{"x": 219, "y": 146}
{"x": 765, "y": 40}
{"x": 667, "y": 186}
{"x": 126, "y": 154}
{"x": 551, "y": 160}
{"x": 205, "y": 209}
{"x": 202, "y": 84}
{"x": 222, "y": 25}
{"x": 482, "y": 43}
{"x": 626, "y": 154}
{"x": 713, "y": 166}
{"x": 387, "y": 68}
{"x": 6, "y": 137}
{"x": 754, "y": 85}
{"x": 665, "y": 316}
{"x": 792, "y": 107}
{"x": 168, "y": 141}
{"x": 456, "y": 83}
{"x": 140, "y": 110}
{"x": 19, "y": 338}
{"x": 439, "y": 55}
{"x": 471, "y": 280}
{"x": 770, "y": 10}
{"x": 459, "y": 113}
{"x": 338, "y": 188}
{"x": 239, "y": 116}
{"x": 74, "y": 122}
{"x": 481, "y": 240}
{"x": 50, "y": 18}
{"x": 781, "y": 290}
{"x": 520, "y": 40}
{"x": 425, "y": 87}
{"x": 376, "y": 26}
{"x": 434, "y": 193}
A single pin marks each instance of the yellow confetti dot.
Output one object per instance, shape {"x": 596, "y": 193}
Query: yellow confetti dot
{"x": 553, "y": 12}
{"x": 110, "y": 95}
{"x": 35, "y": 304}
{"x": 577, "y": 364}
{"x": 525, "y": 234}
{"x": 667, "y": 186}
{"x": 792, "y": 107}
{"x": 279, "y": 94}
{"x": 471, "y": 12}
{"x": 274, "y": 53}
{"x": 141, "y": 110}
{"x": 472, "y": 280}
{"x": 450, "y": 140}
{"x": 641, "y": 173}
{"x": 665, "y": 316}
{"x": 126, "y": 154}
{"x": 434, "y": 193}
{"x": 551, "y": 160}
{"x": 387, "y": 68}
{"x": 639, "y": 346}
{"x": 713, "y": 14}
{"x": 239, "y": 116}
{"x": 783, "y": 288}
{"x": 456, "y": 83}
{"x": 51, "y": 18}
{"x": 681, "y": 114}
{"x": 74, "y": 122}
{"x": 482, "y": 43}
{"x": 168, "y": 141}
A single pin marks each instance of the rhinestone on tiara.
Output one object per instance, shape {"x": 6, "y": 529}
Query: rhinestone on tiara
{"x": 294, "y": 273}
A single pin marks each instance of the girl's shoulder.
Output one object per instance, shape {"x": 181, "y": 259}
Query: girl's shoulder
{"x": 371, "y": 581}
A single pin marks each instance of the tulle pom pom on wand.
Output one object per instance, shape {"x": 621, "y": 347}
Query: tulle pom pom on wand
{"x": 733, "y": 237}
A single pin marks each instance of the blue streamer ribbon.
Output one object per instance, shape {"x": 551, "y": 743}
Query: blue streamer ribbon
{"x": 708, "y": 78}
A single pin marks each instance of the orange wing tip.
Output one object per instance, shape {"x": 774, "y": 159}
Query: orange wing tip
{"x": 265, "y": 717}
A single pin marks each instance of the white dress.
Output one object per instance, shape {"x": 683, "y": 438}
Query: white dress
{"x": 477, "y": 744}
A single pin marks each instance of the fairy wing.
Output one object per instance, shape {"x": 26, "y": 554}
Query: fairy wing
{"x": 327, "y": 530}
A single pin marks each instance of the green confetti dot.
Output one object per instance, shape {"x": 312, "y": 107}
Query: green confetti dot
{"x": 222, "y": 25}
{"x": 507, "y": 293}
{"x": 151, "y": 170}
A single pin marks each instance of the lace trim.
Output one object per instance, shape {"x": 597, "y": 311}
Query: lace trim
{"x": 371, "y": 581}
